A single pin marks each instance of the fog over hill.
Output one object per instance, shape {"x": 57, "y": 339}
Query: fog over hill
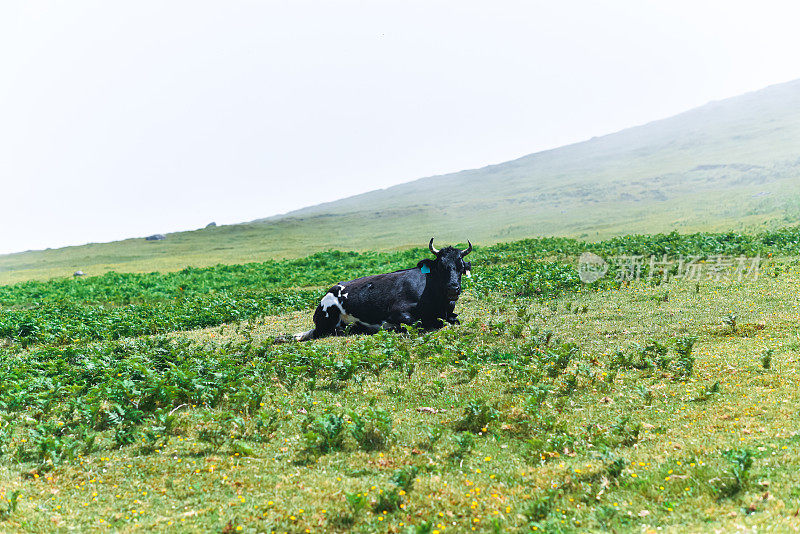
{"x": 728, "y": 165}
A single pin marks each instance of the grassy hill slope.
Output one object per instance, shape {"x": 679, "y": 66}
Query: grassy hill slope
{"x": 732, "y": 164}
{"x": 655, "y": 177}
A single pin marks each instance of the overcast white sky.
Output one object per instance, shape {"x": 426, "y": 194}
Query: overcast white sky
{"x": 122, "y": 119}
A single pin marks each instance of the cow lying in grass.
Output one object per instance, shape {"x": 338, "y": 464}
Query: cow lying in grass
{"x": 425, "y": 295}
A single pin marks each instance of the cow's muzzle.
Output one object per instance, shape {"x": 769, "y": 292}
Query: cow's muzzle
{"x": 453, "y": 294}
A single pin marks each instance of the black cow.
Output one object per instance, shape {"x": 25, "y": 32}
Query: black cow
{"x": 425, "y": 295}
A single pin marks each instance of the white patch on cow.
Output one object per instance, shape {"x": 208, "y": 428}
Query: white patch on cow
{"x": 327, "y": 301}
{"x": 342, "y": 294}
{"x": 330, "y": 300}
{"x": 469, "y": 274}
{"x": 345, "y": 318}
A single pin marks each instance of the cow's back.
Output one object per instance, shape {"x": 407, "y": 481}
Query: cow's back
{"x": 372, "y": 298}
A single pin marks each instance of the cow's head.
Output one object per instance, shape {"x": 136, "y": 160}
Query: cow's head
{"x": 448, "y": 267}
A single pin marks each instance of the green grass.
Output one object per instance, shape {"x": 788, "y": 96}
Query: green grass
{"x": 525, "y": 418}
{"x": 114, "y": 305}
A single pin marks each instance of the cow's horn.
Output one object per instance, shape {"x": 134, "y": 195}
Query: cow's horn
{"x": 469, "y": 249}
{"x": 430, "y": 246}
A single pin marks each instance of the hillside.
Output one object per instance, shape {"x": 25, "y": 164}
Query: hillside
{"x": 732, "y": 164}
{"x": 656, "y": 177}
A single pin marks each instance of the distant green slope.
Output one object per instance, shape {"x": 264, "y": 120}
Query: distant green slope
{"x": 728, "y": 164}
{"x": 733, "y": 164}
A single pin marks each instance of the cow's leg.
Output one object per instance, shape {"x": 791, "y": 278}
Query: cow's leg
{"x": 452, "y": 316}
{"x": 325, "y": 323}
{"x": 400, "y": 317}
{"x": 362, "y": 328}
{"x": 304, "y": 336}
{"x": 397, "y": 321}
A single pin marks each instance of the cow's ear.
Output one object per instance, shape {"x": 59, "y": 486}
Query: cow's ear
{"x": 426, "y": 266}
{"x": 468, "y": 268}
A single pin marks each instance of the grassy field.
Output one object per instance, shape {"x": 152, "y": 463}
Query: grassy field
{"x": 553, "y": 407}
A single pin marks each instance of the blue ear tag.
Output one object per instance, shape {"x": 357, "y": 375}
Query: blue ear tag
{"x": 425, "y": 269}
